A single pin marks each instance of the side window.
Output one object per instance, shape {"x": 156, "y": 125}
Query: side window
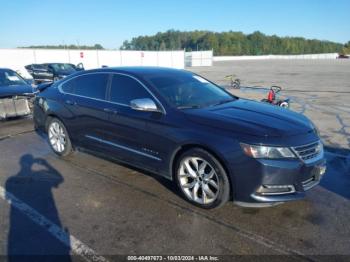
{"x": 91, "y": 85}
{"x": 69, "y": 86}
{"x": 38, "y": 67}
{"x": 124, "y": 89}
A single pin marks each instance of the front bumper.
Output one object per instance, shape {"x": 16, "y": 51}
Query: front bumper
{"x": 261, "y": 182}
{"x": 14, "y": 107}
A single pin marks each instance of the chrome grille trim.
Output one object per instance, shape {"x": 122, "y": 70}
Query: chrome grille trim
{"x": 310, "y": 152}
{"x": 309, "y": 183}
{"x": 290, "y": 188}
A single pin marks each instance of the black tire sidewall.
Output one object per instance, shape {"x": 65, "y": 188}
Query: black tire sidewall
{"x": 68, "y": 147}
{"x": 224, "y": 183}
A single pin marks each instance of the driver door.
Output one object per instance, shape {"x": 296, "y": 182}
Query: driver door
{"x": 128, "y": 129}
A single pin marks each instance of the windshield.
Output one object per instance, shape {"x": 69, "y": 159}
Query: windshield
{"x": 10, "y": 78}
{"x": 186, "y": 90}
{"x": 62, "y": 67}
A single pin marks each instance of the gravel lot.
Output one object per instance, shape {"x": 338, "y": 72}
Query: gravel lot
{"x": 90, "y": 207}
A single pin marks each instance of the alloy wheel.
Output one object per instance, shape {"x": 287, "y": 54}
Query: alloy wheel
{"x": 198, "y": 180}
{"x": 57, "y": 137}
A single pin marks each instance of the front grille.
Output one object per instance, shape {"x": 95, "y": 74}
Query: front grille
{"x": 310, "y": 183}
{"x": 309, "y": 152}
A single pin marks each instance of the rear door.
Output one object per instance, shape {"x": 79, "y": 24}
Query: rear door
{"x": 85, "y": 97}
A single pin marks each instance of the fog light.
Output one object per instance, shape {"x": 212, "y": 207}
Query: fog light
{"x": 319, "y": 171}
{"x": 275, "y": 189}
{"x": 323, "y": 170}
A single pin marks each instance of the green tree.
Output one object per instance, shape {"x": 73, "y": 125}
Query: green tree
{"x": 96, "y": 46}
{"x": 231, "y": 43}
{"x": 346, "y": 49}
{"x": 162, "y": 46}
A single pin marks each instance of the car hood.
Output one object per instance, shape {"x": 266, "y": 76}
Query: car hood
{"x": 252, "y": 118}
{"x": 6, "y": 91}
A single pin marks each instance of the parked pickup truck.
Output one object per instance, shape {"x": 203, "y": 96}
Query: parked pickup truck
{"x": 51, "y": 72}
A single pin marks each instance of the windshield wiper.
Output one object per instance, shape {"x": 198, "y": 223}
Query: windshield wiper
{"x": 224, "y": 102}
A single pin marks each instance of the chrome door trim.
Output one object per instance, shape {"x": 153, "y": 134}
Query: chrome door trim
{"x": 122, "y": 147}
{"x": 143, "y": 85}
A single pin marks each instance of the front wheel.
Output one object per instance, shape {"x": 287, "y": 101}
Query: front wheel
{"x": 202, "y": 179}
{"x": 58, "y": 138}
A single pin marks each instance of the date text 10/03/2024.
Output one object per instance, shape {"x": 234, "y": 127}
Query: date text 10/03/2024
{"x": 173, "y": 258}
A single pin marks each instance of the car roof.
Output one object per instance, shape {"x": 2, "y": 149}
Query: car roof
{"x": 6, "y": 69}
{"x": 139, "y": 70}
{"x": 59, "y": 63}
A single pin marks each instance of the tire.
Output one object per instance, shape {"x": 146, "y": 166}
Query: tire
{"x": 59, "y": 138}
{"x": 206, "y": 186}
{"x": 284, "y": 104}
{"x": 236, "y": 84}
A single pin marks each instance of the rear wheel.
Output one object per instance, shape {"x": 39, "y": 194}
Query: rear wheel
{"x": 58, "y": 138}
{"x": 202, "y": 179}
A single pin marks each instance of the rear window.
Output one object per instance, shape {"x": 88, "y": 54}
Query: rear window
{"x": 69, "y": 86}
{"x": 39, "y": 67}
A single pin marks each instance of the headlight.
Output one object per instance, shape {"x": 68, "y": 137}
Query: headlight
{"x": 317, "y": 131}
{"x": 267, "y": 151}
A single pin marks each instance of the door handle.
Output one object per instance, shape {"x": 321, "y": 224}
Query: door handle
{"x": 70, "y": 102}
{"x": 108, "y": 110}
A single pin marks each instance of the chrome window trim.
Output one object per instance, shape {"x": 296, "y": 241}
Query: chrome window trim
{"x": 59, "y": 87}
{"x": 123, "y": 147}
{"x": 144, "y": 86}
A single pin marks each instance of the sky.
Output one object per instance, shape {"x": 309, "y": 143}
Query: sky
{"x": 110, "y": 22}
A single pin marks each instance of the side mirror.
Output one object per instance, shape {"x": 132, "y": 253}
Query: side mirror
{"x": 80, "y": 66}
{"x": 144, "y": 104}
